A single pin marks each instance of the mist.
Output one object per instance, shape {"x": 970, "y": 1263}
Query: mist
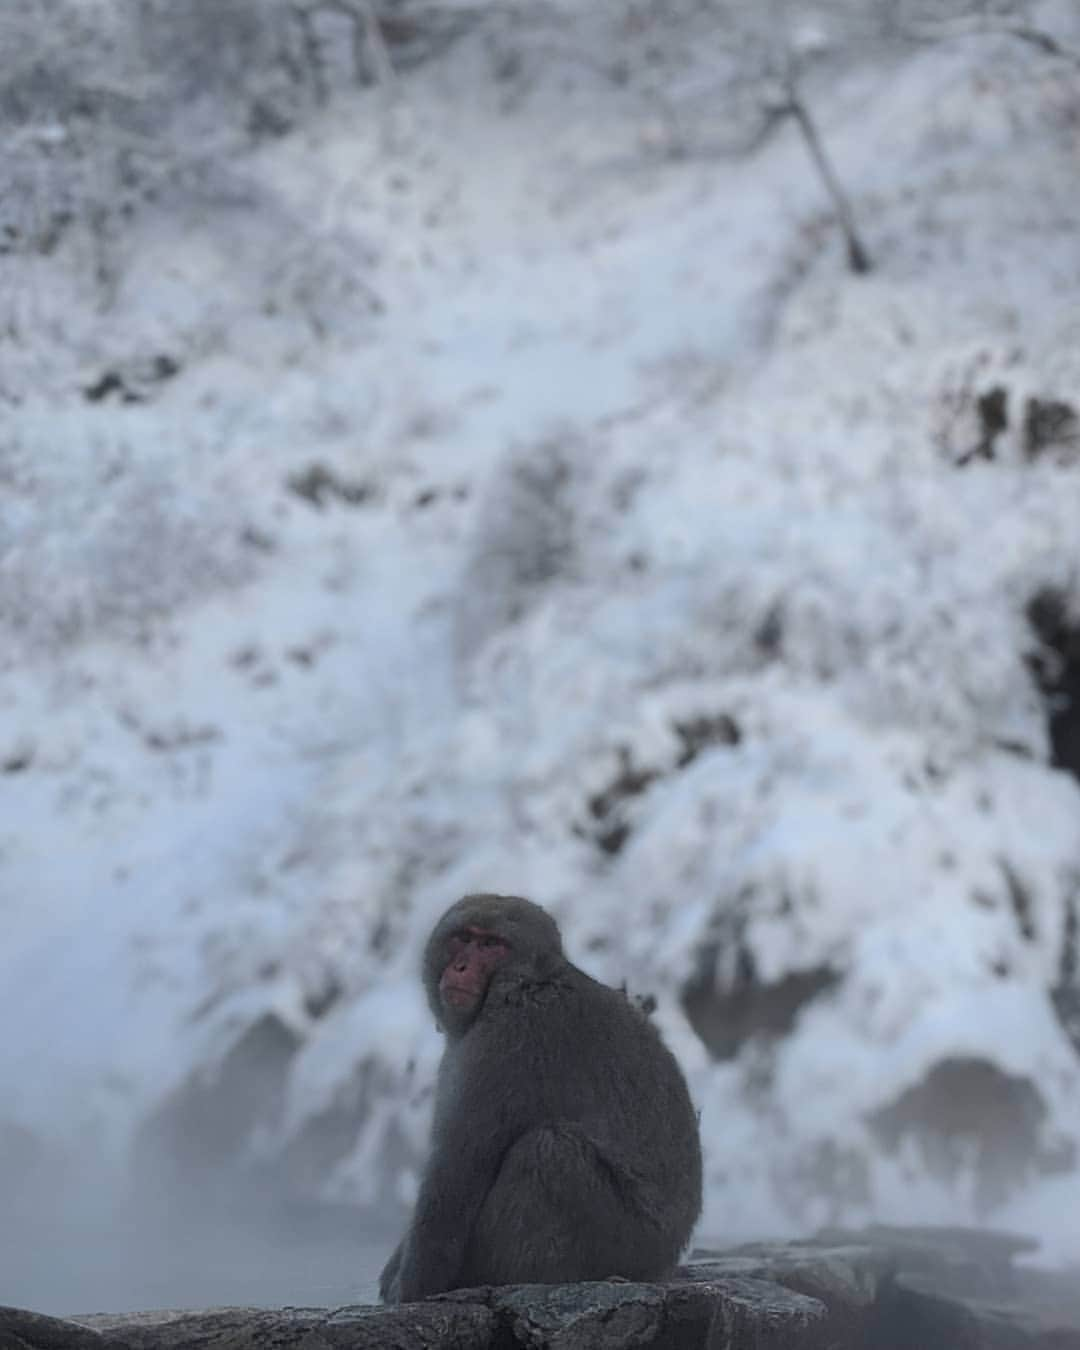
{"x": 624, "y": 454}
{"x": 86, "y": 1248}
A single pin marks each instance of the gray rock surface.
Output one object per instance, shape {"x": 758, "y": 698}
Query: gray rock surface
{"x": 879, "y": 1289}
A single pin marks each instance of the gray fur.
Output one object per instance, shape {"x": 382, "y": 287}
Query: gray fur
{"x": 565, "y": 1145}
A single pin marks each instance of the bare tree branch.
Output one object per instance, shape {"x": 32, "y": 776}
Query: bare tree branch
{"x": 973, "y": 25}
{"x": 377, "y": 49}
{"x": 793, "y": 104}
{"x": 858, "y": 255}
{"x": 1044, "y": 41}
{"x": 370, "y": 51}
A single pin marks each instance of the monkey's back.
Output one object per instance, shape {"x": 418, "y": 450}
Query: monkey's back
{"x": 566, "y": 1053}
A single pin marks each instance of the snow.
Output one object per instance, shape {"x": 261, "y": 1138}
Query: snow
{"x": 616, "y": 415}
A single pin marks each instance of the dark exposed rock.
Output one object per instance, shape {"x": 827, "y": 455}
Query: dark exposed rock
{"x": 133, "y": 382}
{"x": 879, "y": 1289}
{"x": 992, "y": 415}
{"x": 700, "y": 733}
{"x": 415, "y": 37}
{"x": 769, "y": 634}
{"x": 1049, "y": 423}
{"x": 606, "y": 807}
{"x": 610, "y": 826}
{"x": 1056, "y": 667}
{"x": 205, "y": 1126}
{"x": 966, "y": 1104}
{"x": 110, "y": 383}
{"x": 992, "y": 408}
{"x": 1055, "y": 664}
{"x": 17, "y": 760}
{"x": 318, "y": 485}
{"x": 1065, "y": 995}
{"x": 727, "y": 1015}
{"x": 1019, "y": 900}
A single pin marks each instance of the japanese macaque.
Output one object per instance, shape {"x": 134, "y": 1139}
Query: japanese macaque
{"x": 565, "y": 1145}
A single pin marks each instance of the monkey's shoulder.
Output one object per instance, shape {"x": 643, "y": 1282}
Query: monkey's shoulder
{"x": 530, "y": 1018}
{"x": 567, "y": 992}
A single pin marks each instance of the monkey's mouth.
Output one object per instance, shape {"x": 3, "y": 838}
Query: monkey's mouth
{"x": 458, "y": 996}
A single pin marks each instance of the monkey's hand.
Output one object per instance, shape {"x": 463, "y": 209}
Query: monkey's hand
{"x": 389, "y": 1281}
{"x": 427, "y": 1266}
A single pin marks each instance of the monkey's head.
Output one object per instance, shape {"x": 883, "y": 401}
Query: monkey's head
{"x": 474, "y": 939}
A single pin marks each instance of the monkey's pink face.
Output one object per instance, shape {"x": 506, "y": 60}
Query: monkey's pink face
{"x": 474, "y": 954}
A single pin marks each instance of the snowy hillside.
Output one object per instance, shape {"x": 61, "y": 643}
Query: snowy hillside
{"x": 481, "y": 491}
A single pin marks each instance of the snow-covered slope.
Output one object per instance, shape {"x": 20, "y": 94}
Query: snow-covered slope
{"x": 618, "y": 555}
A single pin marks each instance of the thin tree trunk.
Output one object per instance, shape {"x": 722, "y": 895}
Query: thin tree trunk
{"x": 376, "y": 45}
{"x": 312, "y": 53}
{"x": 858, "y": 256}
{"x": 385, "y": 75}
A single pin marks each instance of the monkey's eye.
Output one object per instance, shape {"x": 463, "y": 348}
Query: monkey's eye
{"x": 490, "y": 940}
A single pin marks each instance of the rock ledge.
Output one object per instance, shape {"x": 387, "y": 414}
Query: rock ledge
{"x": 879, "y": 1289}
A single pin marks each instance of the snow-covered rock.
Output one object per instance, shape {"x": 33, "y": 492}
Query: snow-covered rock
{"x": 526, "y": 510}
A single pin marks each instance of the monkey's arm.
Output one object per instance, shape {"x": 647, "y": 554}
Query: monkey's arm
{"x": 474, "y": 1127}
{"x": 389, "y": 1290}
{"x": 432, "y": 1253}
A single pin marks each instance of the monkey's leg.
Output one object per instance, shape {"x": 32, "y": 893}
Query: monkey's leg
{"x": 557, "y": 1212}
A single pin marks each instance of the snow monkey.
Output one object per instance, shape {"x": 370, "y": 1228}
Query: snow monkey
{"x": 565, "y": 1145}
